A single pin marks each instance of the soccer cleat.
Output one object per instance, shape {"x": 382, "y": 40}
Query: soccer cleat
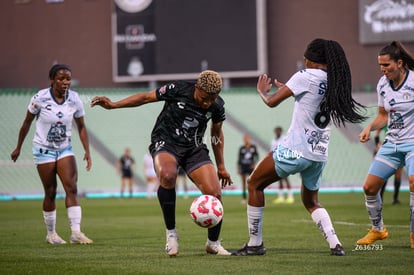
{"x": 373, "y": 235}
{"x": 278, "y": 200}
{"x": 412, "y": 239}
{"x": 250, "y": 250}
{"x": 338, "y": 250}
{"x": 80, "y": 238}
{"x": 54, "y": 239}
{"x": 171, "y": 246}
{"x": 290, "y": 200}
{"x": 216, "y": 248}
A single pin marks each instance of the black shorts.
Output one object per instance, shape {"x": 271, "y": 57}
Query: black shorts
{"x": 189, "y": 158}
{"x": 246, "y": 169}
{"x": 127, "y": 174}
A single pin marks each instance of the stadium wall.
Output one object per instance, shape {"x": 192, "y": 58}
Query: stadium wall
{"x": 37, "y": 33}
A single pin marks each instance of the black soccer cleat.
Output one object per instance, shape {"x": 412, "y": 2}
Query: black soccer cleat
{"x": 338, "y": 251}
{"x": 250, "y": 250}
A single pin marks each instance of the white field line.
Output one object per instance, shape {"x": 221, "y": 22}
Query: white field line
{"x": 353, "y": 224}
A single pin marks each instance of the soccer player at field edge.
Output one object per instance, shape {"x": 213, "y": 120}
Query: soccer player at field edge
{"x": 248, "y": 156}
{"x": 177, "y": 139}
{"x": 55, "y": 108}
{"x": 125, "y": 167}
{"x": 322, "y": 95}
{"x": 395, "y": 109}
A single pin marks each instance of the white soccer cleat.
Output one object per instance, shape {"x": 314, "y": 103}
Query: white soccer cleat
{"x": 54, "y": 239}
{"x": 172, "y": 244}
{"x": 216, "y": 248}
{"x": 80, "y": 238}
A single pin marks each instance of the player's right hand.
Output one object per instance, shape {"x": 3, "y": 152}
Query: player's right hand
{"x": 15, "y": 154}
{"x": 364, "y": 135}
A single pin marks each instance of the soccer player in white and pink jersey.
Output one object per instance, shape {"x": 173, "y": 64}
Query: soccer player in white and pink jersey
{"x": 55, "y": 108}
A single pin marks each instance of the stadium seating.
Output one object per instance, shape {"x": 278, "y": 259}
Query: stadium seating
{"x": 112, "y": 131}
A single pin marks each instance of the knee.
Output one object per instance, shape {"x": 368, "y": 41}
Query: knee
{"x": 168, "y": 178}
{"x": 72, "y": 190}
{"x": 50, "y": 194}
{"x": 251, "y": 184}
{"x": 370, "y": 189}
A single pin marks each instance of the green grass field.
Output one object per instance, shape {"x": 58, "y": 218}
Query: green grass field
{"x": 129, "y": 238}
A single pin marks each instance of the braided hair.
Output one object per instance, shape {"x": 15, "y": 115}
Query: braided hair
{"x": 57, "y": 67}
{"x": 337, "y": 103}
{"x": 397, "y": 51}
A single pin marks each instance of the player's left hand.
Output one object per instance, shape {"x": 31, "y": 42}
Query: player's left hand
{"x": 224, "y": 178}
{"x": 88, "y": 160}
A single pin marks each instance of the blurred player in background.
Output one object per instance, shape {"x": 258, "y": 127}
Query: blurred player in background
{"x": 125, "y": 167}
{"x": 247, "y": 159}
{"x": 150, "y": 176}
{"x": 395, "y": 109}
{"x": 177, "y": 139}
{"x": 280, "y": 197}
{"x": 54, "y": 109}
{"x": 322, "y": 95}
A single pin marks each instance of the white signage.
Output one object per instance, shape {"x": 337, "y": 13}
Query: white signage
{"x": 381, "y": 21}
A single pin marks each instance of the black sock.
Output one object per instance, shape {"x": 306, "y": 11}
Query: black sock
{"x": 397, "y": 184}
{"x": 214, "y": 232}
{"x": 167, "y": 197}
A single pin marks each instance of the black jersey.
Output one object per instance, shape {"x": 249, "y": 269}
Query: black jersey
{"x": 181, "y": 121}
{"x": 126, "y": 166}
{"x": 248, "y": 155}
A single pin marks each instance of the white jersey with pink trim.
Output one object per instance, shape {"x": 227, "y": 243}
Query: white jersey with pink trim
{"x": 399, "y": 103}
{"x": 304, "y": 137}
{"x": 149, "y": 166}
{"x": 54, "y": 120}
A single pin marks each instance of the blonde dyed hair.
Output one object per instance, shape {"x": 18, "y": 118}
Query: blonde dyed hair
{"x": 210, "y": 82}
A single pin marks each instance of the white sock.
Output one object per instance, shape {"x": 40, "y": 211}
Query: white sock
{"x": 290, "y": 193}
{"x": 75, "y": 216}
{"x": 280, "y": 194}
{"x": 150, "y": 190}
{"x": 255, "y": 221}
{"x": 321, "y": 217}
{"x": 412, "y": 211}
{"x": 374, "y": 208}
{"x": 50, "y": 221}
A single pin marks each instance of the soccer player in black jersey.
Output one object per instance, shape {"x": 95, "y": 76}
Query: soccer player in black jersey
{"x": 177, "y": 139}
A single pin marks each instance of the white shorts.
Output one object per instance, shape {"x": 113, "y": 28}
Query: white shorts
{"x": 287, "y": 164}
{"x": 42, "y": 155}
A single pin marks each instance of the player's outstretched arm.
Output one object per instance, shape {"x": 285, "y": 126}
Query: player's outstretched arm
{"x": 135, "y": 100}
{"x": 264, "y": 84}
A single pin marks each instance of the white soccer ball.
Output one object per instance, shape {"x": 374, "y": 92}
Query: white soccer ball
{"x": 206, "y": 211}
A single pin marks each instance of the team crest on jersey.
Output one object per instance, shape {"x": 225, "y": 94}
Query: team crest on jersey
{"x": 406, "y": 97}
{"x": 57, "y": 133}
{"x": 159, "y": 145}
{"x": 59, "y": 114}
{"x": 396, "y": 120}
{"x": 162, "y": 90}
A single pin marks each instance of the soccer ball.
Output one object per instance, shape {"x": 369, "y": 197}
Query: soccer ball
{"x": 206, "y": 211}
